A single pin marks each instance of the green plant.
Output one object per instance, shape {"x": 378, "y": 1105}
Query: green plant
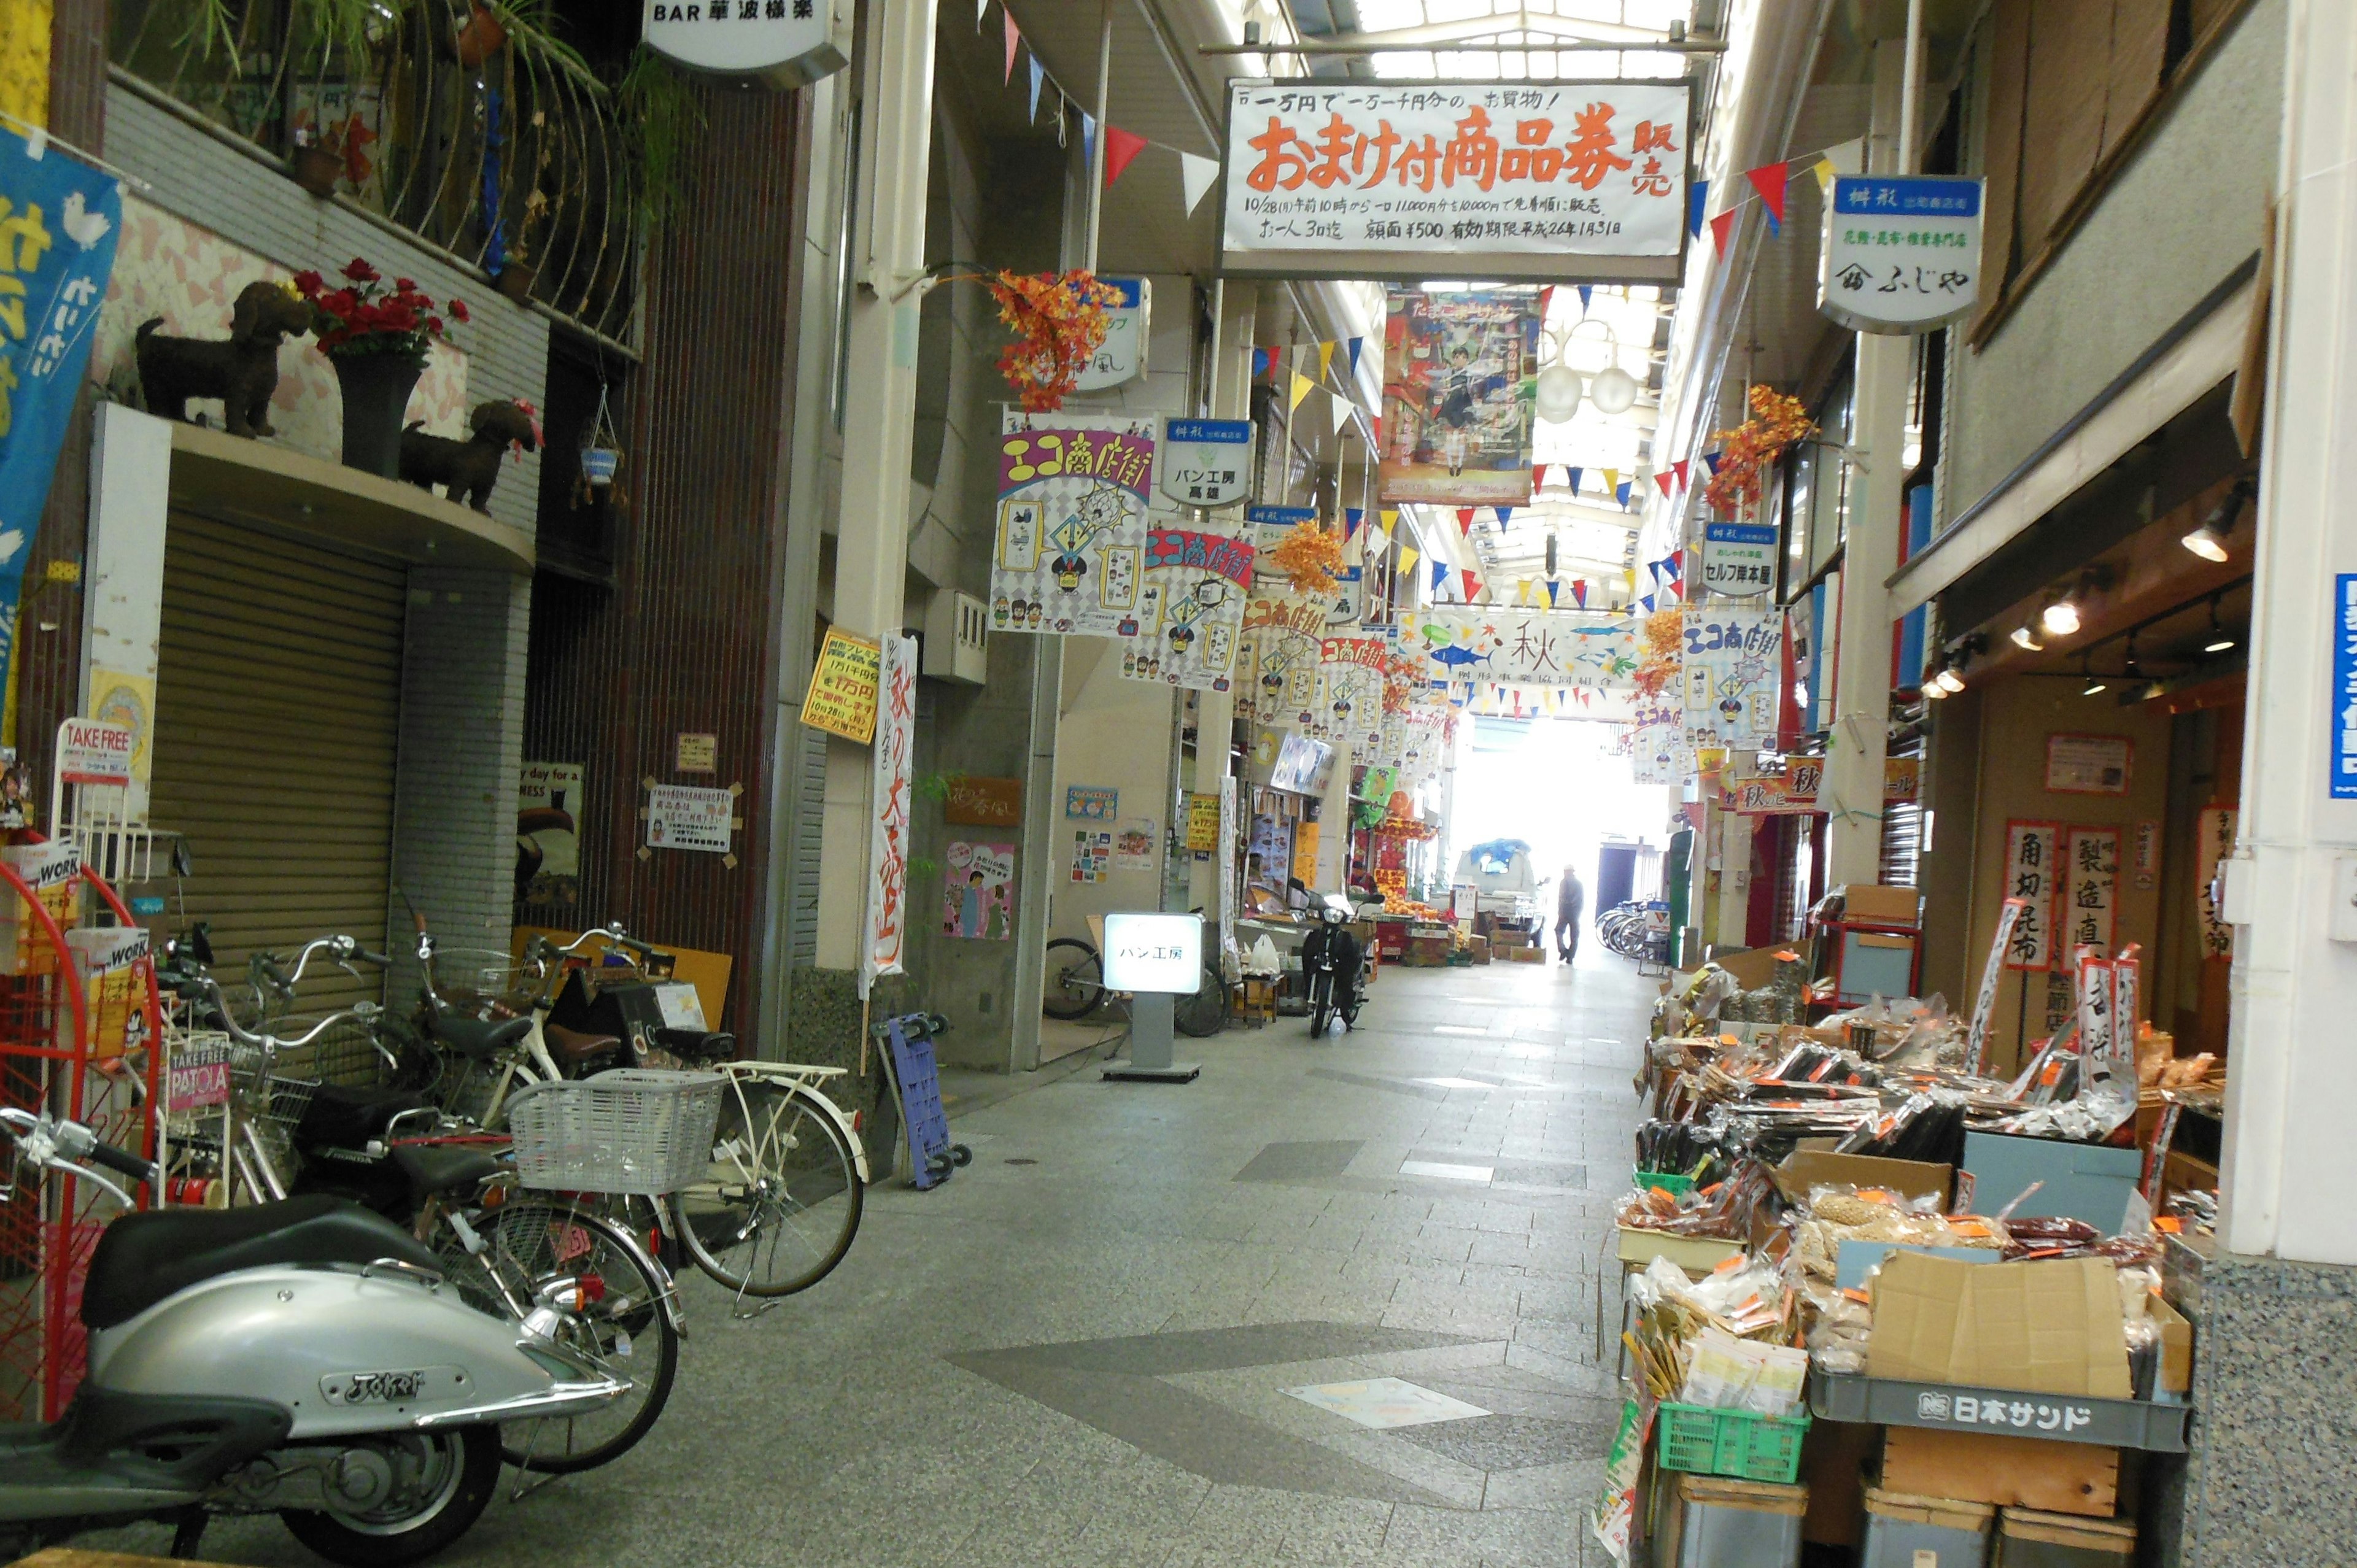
{"x": 937, "y": 786}
{"x": 532, "y": 33}
{"x": 212, "y": 24}
{"x": 666, "y": 120}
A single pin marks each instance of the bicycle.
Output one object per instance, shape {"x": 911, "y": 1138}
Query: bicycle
{"x": 1073, "y": 987}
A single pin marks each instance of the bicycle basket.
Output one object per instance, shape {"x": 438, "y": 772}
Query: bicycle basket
{"x": 633, "y": 1131}
{"x": 473, "y": 979}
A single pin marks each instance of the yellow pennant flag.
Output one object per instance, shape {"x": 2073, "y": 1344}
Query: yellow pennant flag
{"x": 1631, "y": 577}
{"x": 1824, "y": 171}
{"x": 1325, "y": 357}
{"x": 1611, "y": 481}
{"x": 1523, "y": 590}
{"x": 1407, "y": 558}
{"x": 1390, "y": 516}
{"x": 1301, "y": 385}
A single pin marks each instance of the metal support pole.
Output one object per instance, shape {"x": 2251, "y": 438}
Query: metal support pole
{"x": 1097, "y": 143}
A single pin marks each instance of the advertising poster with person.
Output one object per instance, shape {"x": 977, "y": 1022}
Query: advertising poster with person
{"x": 1459, "y": 370}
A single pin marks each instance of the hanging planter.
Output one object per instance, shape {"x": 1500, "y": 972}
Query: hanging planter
{"x": 1310, "y": 557}
{"x": 377, "y": 338}
{"x": 601, "y": 457}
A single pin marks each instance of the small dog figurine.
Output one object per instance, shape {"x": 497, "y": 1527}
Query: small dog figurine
{"x": 242, "y": 372}
{"x": 469, "y": 469}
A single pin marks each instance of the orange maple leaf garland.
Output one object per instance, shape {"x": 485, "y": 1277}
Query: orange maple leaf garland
{"x": 1752, "y": 448}
{"x": 1059, "y": 322}
{"x": 1310, "y": 557}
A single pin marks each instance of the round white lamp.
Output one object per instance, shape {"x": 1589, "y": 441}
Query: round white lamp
{"x": 1558, "y": 393}
{"x": 1612, "y": 389}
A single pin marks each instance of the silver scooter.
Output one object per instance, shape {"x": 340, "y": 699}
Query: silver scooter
{"x": 301, "y": 1358}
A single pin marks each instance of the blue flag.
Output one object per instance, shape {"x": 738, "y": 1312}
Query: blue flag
{"x": 1356, "y": 344}
{"x": 1505, "y": 515}
{"x": 1039, "y": 72}
{"x": 1621, "y": 495}
{"x": 59, "y": 222}
{"x": 1696, "y": 194}
{"x": 1439, "y": 575}
{"x": 1575, "y": 480}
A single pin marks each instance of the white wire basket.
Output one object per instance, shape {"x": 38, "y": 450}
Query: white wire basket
{"x": 633, "y": 1130}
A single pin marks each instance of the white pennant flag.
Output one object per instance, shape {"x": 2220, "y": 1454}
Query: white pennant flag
{"x": 1195, "y": 176}
{"x": 1341, "y": 413}
{"x": 979, "y": 7}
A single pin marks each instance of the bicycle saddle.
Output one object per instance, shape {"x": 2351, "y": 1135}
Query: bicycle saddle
{"x": 480, "y": 1038}
{"x": 574, "y": 1047}
{"x": 445, "y": 1167}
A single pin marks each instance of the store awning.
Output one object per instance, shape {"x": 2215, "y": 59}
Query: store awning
{"x": 256, "y": 483}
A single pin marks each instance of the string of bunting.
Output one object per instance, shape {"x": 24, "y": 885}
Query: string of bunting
{"x": 1769, "y": 184}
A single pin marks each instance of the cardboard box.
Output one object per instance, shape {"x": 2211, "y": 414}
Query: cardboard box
{"x": 1479, "y": 948}
{"x": 1696, "y": 1254}
{"x": 2081, "y": 1181}
{"x": 2052, "y": 1326}
{"x": 2176, "y": 1348}
{"x": 2003, "y": 1470}
{"x": 1752, "y": 967}
{"x": 1880, "y": 905}
{"x": 1805, "y": 1167}
{"x": 1525, "y": 955}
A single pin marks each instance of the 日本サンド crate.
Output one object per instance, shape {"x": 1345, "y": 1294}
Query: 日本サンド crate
{"x": 1704, "y": 1441}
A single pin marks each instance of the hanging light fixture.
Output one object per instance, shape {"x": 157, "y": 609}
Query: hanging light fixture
{"x": 2060, "y": 618}
{"x": 1932, "y": 689}
{"x": 2025, "y": 636}
{"x": 1948, "y": 680}
{"x": 2209, "y": 540}
{"x": 1558, "y": 388}
{"x": 2087, "y": 669}
{"x": 2220, "y": 639}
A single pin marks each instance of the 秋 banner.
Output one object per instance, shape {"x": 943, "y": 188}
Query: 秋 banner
{"x": 1542, "y": 180}
{"x": 1068, "y": 551}
{"x": 1193, "y": 613}
{"x": 1458, "y": 372}
{"x": 1523, "y": 647}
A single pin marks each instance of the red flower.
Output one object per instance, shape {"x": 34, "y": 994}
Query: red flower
{"x": 308, "y": 285}
{"x": 458, "y": 312}
{"x": 360, "y": 271}
{"x": 404, "y": 285}
{"x": 433, "y": 325}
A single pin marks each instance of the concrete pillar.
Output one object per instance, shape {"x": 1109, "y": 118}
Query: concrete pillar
{"x": 1861, "y": 716}
{"x": 1732, "y": 850}
{"x": 878, "y": 417}
{"x": 1215, "y": 712}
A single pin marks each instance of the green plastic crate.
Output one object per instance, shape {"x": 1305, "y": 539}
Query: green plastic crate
{"x": 1671, "y": 1182}
{"x": 1707, "y": 1442}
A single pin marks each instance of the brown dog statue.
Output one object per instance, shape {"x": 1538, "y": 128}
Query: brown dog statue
{"x": 242, "y": 372}
{"x": 468, "y": 469}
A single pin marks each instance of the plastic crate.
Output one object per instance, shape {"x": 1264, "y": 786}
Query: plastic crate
{"x": 1671, "y": 1182}
{"x": 1706, "y": 1442}
{"x": 634, "y": 1130}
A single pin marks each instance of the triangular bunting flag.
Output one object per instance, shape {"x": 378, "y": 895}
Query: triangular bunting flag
{"x": 1824, "y": 171}
{"x": 1538, "y": 477}
{"x": 1579, "y": 592}
{"x": 1472, "y": 585}
{"x": 1439, "y": 575}
{"x": 1769, "y": 179}
{"x": 1465, "y": 519}
{"x": 1522, "y": 590}
{"x": 1120, "y": 147}
{"x": 1653, "y": 570}
{"x": 1575, "y": 480}
{"x": 1013, "y": 38}
{"x": 1673, "y": 565}
{"x": 1710, "y": 461}
{"x": 1505, "y": 515}
{"x": 1721, "y": 227}
{"x": 1389, "y": 518}
{"x": 1550, "y": 591}
{"x": 1301, "y": 385}
{"x": 1039, "y": 75}
{"x": 1088, "y": 138}
{"x": 1620, "y": 493}
{"x": 1197, "y": 174}
{"x": 1611, "y": 479}
{"x": 1341, "y": 411}
{"x": 1696, "y": 194}
{"x": 1325, "y": 359}
{"x": 1646, "y": 604}
{"x": 981, "y": 7}
{"x": 1547, "y": 299}
{"x": 1408, "y": 558}
{"x": 1681, "y": 469}
{"x": 1351, "y": 517}
{"x": 1356, "y": 345}
{"x": 1586, "y": 293}
{"x": 1663, "y": 480}
{"x": 1262, "y": 360}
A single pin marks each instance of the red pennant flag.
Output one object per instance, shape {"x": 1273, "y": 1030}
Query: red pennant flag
{"x": 1663, "y": 480}
{"x": 1472, "y": 585}
{"x": 1013, "y": 38}
{"x": 1679, "y": 468}
{"x": 1121, "y": 146}
{"x": 1579, "y": 592}
{"x": 1546, "y": 297}
{"x": 1721, "y": 227}
{"x": 1768, "y": 180}
{"x": 1538, "y": 476}
{"x": 1465, "y": 519}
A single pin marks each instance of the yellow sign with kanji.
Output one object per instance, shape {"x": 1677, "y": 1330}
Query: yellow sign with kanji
{"x": 842, "y": 695}
{"x": 1202, "y": 823}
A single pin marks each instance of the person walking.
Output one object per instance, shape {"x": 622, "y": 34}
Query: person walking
{"x": 1569, "y": 896}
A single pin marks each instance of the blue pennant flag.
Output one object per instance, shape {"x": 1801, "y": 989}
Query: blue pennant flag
{"x": 1550, "y": 588}
{"x": 1356, "y": 344}
{"x": 1088, "y": 140}
{"x": 1621, "y": 495}
{"x": 1574, "y": 481}
{"x": 1695, "y": 195}
{"x": 1439, "y": 575}
{"x": 1646, "y": 604}
{"x": 1505, "y": 515}
{"x": 1038, "y": 74}
{"x": 1710, "y": 461}
{"x": 1352, "y": 517}
{"x": 1587, "y": 292}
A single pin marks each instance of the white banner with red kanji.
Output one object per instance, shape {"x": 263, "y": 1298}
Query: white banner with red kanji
{"x": 888, "y": 823}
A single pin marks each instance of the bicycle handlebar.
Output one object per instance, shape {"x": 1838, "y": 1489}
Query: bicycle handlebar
{"x": 50, "y": 1143}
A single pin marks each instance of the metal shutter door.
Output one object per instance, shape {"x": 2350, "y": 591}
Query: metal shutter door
{"x": 277, "y": 711}
{"x": 810, "y": 813}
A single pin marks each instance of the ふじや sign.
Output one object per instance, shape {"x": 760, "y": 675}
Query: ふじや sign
{"x": 785, "y": 43}
{"x": 1902, "y": 254}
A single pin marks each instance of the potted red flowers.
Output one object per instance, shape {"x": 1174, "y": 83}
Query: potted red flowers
{"x": 376, "y": 336}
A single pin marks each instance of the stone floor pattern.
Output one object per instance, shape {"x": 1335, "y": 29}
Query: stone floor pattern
{"x": 1333, "y": 1303}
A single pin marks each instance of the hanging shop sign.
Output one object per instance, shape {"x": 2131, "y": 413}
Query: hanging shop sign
{"x": 2090, "y": 886}
{"x": 782, "y": 43}
{"x": 1570, "y": 181}
{"x": 978, "y": 890}
{"x": 1901, "y": 253}
{"x": 1122, "y": 356}
{"x": 841, "y": 699}
{"x": 1267, "y": 526}
{"x": 1738, "y": 559}
{"x": 1070, "y": 539}
{"x": 887, "y": 822}
{"x": 2088, "y": 764}
{"x": 983, "y": 802}
{"x": 2214, "y": 841}
{"x": 1206, "y": 462}
{"x": 1351, "y": 692}
{"x": 56, "y": 252}
{"x": 690, "y": 817}
{"x": 1524, "y": 648}
{"x": 1192, "y": 609}
{"x": 1456, "y": 428}
{"x": 1731, "y": 657}
{"x": 2033, "y": 876}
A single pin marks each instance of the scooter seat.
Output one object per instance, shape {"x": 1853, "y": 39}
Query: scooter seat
{"x": 697, "y": 1045}
{"x": 480, "y": 1038}
{"x": 445, "y": 1167}
{"x": 142, "y": 1258}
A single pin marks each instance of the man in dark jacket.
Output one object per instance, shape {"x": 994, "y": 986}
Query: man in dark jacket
{"x": 1569, "y": 896}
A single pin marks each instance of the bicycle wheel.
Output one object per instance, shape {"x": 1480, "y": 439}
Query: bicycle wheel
{"x": 1205, "y": 1013}
{"x": 1074, "y": 987}
{"x": 782, "y": 1197}
{"x": 618, "y": 1325}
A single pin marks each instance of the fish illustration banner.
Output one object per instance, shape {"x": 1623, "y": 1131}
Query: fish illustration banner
{"x": 1456, "y": 419}
{"x": 1069, "y": 554}
{"x": 1277, "y": 665}
{"x": 1730, "y": 662}
{"x": 1193, "y": 614}
{"x": 1523, "y": 647}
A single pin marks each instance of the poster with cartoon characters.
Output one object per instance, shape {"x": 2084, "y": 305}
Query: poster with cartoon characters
{"x": 978, "y": 891}
{"x": 1350, "y": 692}
{"x": 1729, "y": 665}
{"x": 1277, "y": 662}
{"x": 1069, "y": 551}
{"x": 1192, "y": 610}
{"x": 1457, "y": 369}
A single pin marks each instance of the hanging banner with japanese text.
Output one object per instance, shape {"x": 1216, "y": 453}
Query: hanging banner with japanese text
{"x": 1193, "y": 609}
{"x": 2214, "y": 841}
{"x": 1901, "y": 253}
{"x": 1523, "y": 647}
{"x": 2031, "y": 875}
{"x": 2090, "y": 886}
{"x": 1277, "y": 665}
{"x": 888, "y": 820}
{"x": 1206, "y": 462}
{"x": 1731, "y": 660}
{"x": 58, "y": 221}
{"x": 1350, "y": 692}
{"x": 1571, "y": 181}
{"x": 1984, "y": 1002}
{"x": 1457, "y": 426}
{"x": 1070, "y": 547}
{"x": 1738, "y": 559}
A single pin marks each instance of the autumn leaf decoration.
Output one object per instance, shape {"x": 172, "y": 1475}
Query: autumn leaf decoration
{"x": 1310, "y": 558}
{"x": 1059, "y": 322}
{"x": 1752, "y": 448}
{"x": 1664, "y": 630}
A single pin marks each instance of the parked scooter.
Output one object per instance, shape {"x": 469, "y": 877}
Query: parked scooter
{"x": 1332, "y": 964}
{"x": 303, "y": 1359}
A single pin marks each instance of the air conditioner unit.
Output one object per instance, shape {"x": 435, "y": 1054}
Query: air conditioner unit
{"x": 956, "y": 637}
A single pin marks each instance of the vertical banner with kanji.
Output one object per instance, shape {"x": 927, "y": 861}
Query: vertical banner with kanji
{"x": 1069, "y": 547}
{"x": 2214, "y": 841}
{"x": 2031, "y": 875}
{"x": 1192, "y": 610}
{"x": 888, "y": 821}
{"x": 1277, "y": 673}
{"x": 2090, "y": 886}
{"x": 2099, "y": 1023}
{"x": 58, "y": 221}
{"x": 1226, "y": 851}
{"x": 1984, "y": 1003}
{"x": 1350, "y": 692}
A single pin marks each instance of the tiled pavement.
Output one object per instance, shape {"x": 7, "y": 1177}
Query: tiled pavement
{"x": 1079, "y": 1350}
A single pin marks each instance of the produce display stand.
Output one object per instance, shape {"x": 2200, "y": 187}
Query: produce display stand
{"x": 2061, "y": 1418}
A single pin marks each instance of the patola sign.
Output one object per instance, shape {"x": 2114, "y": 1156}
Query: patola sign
{"x": 785, "y": 43}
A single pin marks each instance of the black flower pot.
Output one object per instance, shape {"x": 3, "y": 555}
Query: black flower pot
{"x": 376, "y": 389}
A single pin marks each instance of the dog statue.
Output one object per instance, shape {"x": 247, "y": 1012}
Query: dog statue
{"x": 468, "y": 469}
{"x": 242, "y": 372}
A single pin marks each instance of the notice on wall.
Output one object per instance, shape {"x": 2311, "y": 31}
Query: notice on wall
{"x": 2032, "y": 876}
{"x": 1738, "y": 559}
{"x": 2088, "y": 764}
{"x": 1901, "y": 253}
{"x": 1202, "y": 822}
{"x": 1091, "y": 803}
{"x": 1092, "y": 856}
{"x": 693, "y": 753}
{"x": 841, "y": 699}
{"x": 2214, "y": 841}
{"x": 888, "y": 792}
{"x": 978, "y": 803}
{"x": 548, "y": 842}
{"x": 1546, "y": 180}
{"x": 1523, "y": 647}
{"x": 1729, "y": 668}
{"x": 1135, "y": 844}
{"x": 1304, "y": 851}
{"x": 1069, "y": 554}
{"x": 978, "y": 890}
{"x": 1192, "y": 613}
{"x": 1456, "y": 429}
{"x": 690, "y": 817}
{"x": 2090, "y": 887}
